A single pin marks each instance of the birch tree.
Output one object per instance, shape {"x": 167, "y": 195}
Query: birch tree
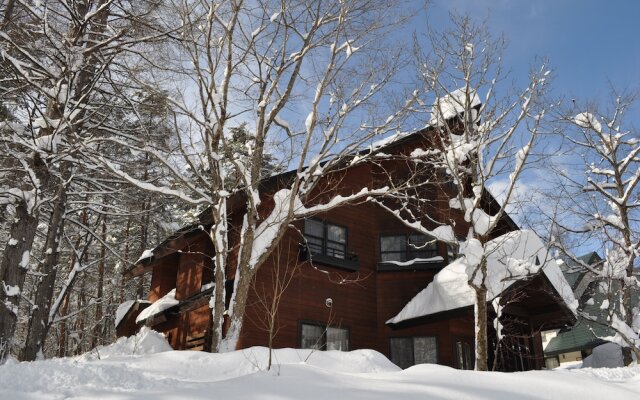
{"x": 598, "y": 205}
{"x": 484, "y": 132}
{"x": 304, "y": 76}
{"x": 59, "y": 59}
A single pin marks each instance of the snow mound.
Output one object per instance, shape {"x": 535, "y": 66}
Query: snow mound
{"x": 147, "y": 341}
{"x": 297, "y": 374}
{"x": 204, "y": 367}
{"x": 620, "y": 374}
{"x": 608, "y": 355}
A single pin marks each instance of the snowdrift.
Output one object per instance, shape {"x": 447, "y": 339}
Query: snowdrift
{"x": 140, "y": 368}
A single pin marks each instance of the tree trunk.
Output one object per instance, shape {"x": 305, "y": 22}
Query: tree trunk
{"x": 96, "y": 338}
{"x": 79, "y": 325}
{"x": 62, "y": 341}
{"x": 217, "y": 303}
{"x": 39, "y": 322}
{"x": 482, "y": 353}
{"x": 481, "y": 330}
{"x": 8, "y": 13}
{"x": 15, "y": 262}
{"x": 238, "y": 305}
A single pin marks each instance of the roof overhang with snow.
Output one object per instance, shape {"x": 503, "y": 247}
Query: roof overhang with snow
{"x": 170, "y": 245}
{"x": 510, "y": 258}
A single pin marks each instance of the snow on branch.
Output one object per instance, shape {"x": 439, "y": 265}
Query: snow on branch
{"x": 153, "y": 188}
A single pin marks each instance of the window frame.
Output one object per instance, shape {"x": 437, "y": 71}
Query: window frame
{"x": 465, "y": 360}
{"x": 325, "y": 327}
{"x": 410, "y": 252}
{"x": 325, "y": 237}
{"x": 349, "y": 261}
{"x": 413, "y": 349}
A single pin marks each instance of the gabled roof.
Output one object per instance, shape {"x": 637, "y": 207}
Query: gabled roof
{"x": 572, "y": 270}
{"x": 172, "y": 243}
{"x": 510, "y": 258}
{"x": 584, "y": 335}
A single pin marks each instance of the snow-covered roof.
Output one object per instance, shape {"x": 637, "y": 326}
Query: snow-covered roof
{"x": 510, "y": 257}
{"x": 164, "y": 303}
{"x": 124, "y": 308}
{"x": 145, "y": 254}
{"x": 444, "y": 108}
{"x": 453, "y": 104}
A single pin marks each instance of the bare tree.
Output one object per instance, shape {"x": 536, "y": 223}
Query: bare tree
{"x": 61, "y": 61}
{"x": 480, "y": 137}
{"x": 264, "y": 63}
{"x": 269, "y": 294}
{"x": 597, "y": 199}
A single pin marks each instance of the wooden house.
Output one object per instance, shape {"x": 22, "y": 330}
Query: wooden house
{"x": 352, "y": 270}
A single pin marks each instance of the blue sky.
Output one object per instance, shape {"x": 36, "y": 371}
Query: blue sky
{"x": 588, "y": 42}
{"x": 591, "y": 45}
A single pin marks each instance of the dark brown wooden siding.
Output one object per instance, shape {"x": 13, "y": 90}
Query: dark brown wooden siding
{"x": 196, "y": 267}
{"x": 361, "y": 301}
{"x": 163, "y": 279}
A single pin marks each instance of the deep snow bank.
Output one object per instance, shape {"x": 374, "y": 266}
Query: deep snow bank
{"x": 147, "y": 341}
{"x": 140, "y": 368}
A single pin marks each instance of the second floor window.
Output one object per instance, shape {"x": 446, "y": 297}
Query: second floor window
{"x": 407, "y": 247}
{"x": 325, "y": 238}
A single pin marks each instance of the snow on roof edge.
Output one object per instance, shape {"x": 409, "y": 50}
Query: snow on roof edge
{"x": 158, "y": 306}
{"x": 449, "y": 289}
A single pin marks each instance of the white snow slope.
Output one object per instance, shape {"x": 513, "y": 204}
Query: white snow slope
{"x": 299, "y": 374}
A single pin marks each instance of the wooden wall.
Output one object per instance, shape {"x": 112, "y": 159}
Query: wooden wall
{"x": 362, "y": 301}
{"x": 163, "y": 278}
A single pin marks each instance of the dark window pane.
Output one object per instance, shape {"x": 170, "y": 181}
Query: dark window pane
{"x": 312, "y": 337}
{"x": 314, "y": 228}
{"x": 402, "y": 352}
{"x": 416, "y": 241}
{"x": 392, "y": 256}
{"x": 337, "y": 339}
{"x": 421, "y": 246}
{"x": 326, "y": 239}
{"x": 337, "y": 250}
{"x": 336, "y": 233}
{"x": 464, "y": 355}
{"x": 469, "y": 356}
{"x": 393, "y": 243}
{"x": 460, "y": 355}
{"x": 314, "y": 244}
{"x": 452, "y": 252}
{"x": 425, "y": 350}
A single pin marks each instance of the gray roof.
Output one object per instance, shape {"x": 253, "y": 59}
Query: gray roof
{"x": 586, "y": 333}
{"x": 572, "y": 271}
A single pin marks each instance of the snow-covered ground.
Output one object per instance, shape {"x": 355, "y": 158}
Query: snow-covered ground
{"x": 141, "y": 368}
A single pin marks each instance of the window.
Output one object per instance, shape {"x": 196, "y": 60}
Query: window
{"x": 322, "y": 337}
{"x": 407, "y": 247}
{"x": 452, "y": 252}
{"x": 408, "y": 351}
{"x": 464, "y": 355}
{"x": 325, "y": 238}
